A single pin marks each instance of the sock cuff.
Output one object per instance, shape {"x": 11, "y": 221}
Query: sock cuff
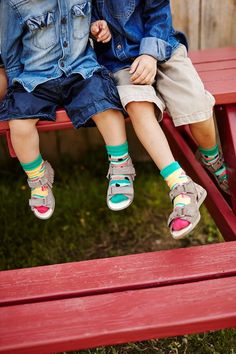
{"x": 168, "y": 170}
{"x": 117, "y": 150}
{"x": 33, "y": 164}
{"x": 209, "y": 152}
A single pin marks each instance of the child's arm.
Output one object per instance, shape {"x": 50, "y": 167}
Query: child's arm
{"x": 157, "y": 20}
{"x": 143, "y": 70}
{"x": 100, "y": 31}
{"x": 99, "y": 28}
{"x": 11, "y": 44}
{"x": 153, "y": 46}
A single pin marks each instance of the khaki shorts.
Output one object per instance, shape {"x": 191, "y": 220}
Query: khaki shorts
{"x": 178, "y": 89}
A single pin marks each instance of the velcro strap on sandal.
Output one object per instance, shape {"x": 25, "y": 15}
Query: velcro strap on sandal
{"x": 215, "y": 166}
{"x": 126, "y": 190}
{"x": 39, "y": 182}
{"x": 119, "y": 170}
{"x": 36, "y": 202}
{"x": 185, "y": 188}
{"x": 187, "y": 213}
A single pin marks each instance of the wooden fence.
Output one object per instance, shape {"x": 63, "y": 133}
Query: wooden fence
{"x": 207, "y": 23}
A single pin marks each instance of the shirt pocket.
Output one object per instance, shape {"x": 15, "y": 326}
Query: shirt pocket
{"x": 121, "y": 9}
{"x": 43, "y": 30}
{"x": 81, "y": 16}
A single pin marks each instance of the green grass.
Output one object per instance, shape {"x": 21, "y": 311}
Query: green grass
{"x": 83, "y": 228}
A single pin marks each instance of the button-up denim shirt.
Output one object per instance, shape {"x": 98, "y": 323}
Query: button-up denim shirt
{"x": 138, "y": 27}
{"x": 42, "y": 39}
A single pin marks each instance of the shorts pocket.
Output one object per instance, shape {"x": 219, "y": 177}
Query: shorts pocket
{"x": 43, "y": 30}
{"x": 81, "y": 16}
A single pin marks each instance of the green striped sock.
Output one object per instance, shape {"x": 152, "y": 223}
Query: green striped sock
{"x": 210, "y": 156}
{"x": 35, "y": 169}
{"x": 118, "y": 156}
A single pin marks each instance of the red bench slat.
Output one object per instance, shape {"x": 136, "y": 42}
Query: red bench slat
{"x": 213, "y": 55}
{"x": 91, "y": 321}
{"x": 117, "y": 273}
{"x": 218, "y": 65}
{"x": 218, "y": 75}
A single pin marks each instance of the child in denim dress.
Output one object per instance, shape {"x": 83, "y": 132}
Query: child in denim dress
{"x": 135, "y": 40}
{"x": 50, "y": 63}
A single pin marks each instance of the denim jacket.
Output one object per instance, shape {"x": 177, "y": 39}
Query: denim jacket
{"x": 138, "y": 27}
{"x": 42, "y": 39}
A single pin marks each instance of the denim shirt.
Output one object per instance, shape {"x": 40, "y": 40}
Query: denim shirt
{"x": 43, "y": 39}
{"x": 138, "y": 27}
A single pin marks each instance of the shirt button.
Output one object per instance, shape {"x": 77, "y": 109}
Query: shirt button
{"x": 62, "y": 64}
{"x": 63, "y": 21}
{"x": 65, "y": 44}
{"x": 119, "y": 46}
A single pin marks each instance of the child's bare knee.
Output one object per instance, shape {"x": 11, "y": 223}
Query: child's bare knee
{"x": 22, "y": 127}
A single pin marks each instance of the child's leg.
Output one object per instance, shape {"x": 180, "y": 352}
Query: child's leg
{"x": 25, "y": 141}
{"x": 188, "y": 102}
{"x": 111, "y": 125}
{"x": 150, "y": 134}
{"x": 205, "y": 135}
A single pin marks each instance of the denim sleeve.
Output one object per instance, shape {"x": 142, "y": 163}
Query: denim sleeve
{"x": 95, "y": 16}
{"x": 11, "y": 44}
{"x": 157, "y": 26}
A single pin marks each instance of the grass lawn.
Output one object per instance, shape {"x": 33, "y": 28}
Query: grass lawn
{"x": 83, "y": 228}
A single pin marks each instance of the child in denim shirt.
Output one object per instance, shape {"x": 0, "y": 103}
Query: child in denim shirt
{"x": 136, "y": 41}
{"x": 50, "y": 63}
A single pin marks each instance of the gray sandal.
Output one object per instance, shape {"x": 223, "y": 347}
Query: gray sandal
{"x": 48, "y": 201}
{"x": 129, "y": 172}
{"x": 212, "y": 168}
{"x": 189, "y": 212}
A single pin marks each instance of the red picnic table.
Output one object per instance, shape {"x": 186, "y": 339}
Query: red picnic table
{"x": 217, "y": 68}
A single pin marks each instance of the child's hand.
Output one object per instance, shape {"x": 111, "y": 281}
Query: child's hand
{"x": 143, "y": 70}
{"x": 100, "y": 31}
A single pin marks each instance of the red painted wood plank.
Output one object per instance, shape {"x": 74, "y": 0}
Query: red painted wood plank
{"x": 223, "y": 215}
{"x": 80, "y": 323}
{"x": 218, "y": 75}
{"x": 62, "y": 122}
{"x": 213, "y": 54}
{"x": 226, "y": 121}
{"x": 117, "y": 273}
{"x": 223, "y": 91}
{"x": 217, "y": 65}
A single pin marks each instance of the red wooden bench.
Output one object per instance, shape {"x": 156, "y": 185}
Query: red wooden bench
{"x": 82, "y": 305}
{"x": 109, "y": 301}
{"x": 217, "y": 68}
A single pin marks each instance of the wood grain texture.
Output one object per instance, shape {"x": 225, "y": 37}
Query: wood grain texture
{"x": 80, "y": 323}
{"x": 117, "y": 273}
{"x": 186, "y": 18}
{"x": 226, "y": 120}
{"x": 218, "y": 20}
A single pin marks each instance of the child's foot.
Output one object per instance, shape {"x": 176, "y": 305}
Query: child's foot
{"x": 42, "y": 201}
{"x": 213, "y": 161}
{"x": 120, "y": 192}
{"x": 187, "y": 199}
